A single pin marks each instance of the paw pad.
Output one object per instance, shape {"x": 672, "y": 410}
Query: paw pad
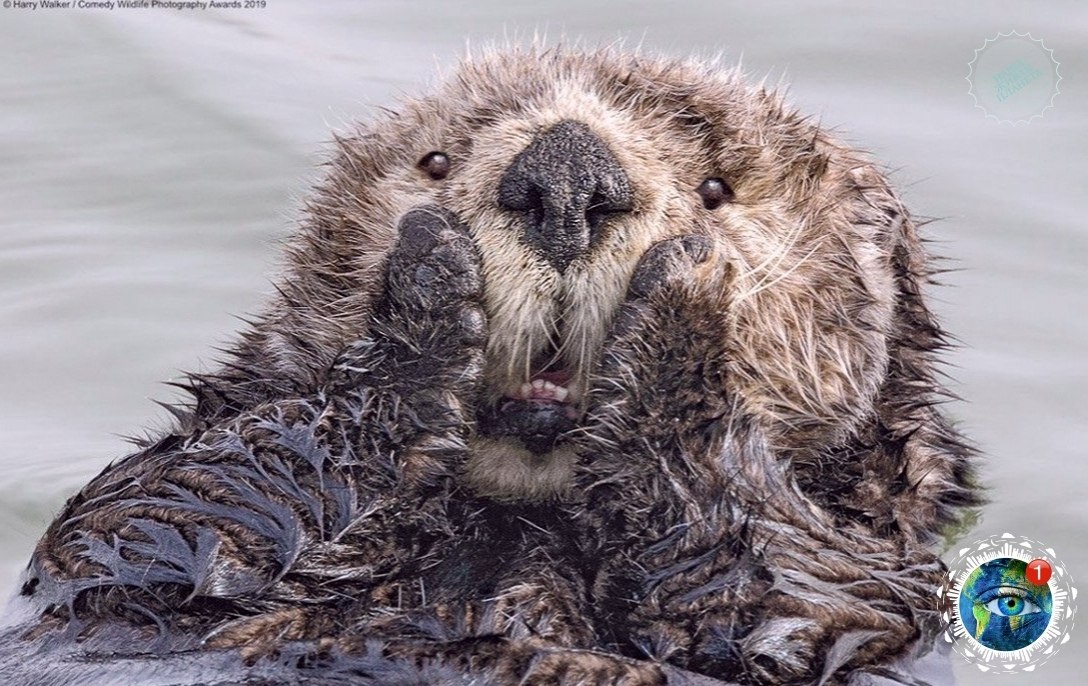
{"x": 667, "y": 260}
{"x": 434, "y": 261}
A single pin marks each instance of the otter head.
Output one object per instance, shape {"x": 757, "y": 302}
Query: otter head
{"x": 567, "y": 166}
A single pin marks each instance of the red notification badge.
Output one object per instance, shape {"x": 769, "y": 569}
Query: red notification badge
{"x": 1038, "y": 571}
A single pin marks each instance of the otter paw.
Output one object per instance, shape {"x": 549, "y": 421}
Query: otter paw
{"x": 675, "y": 314}
{"x": 662, "y": 370}
{"x": 423, "y": 350}
{"x": 434, "y": 262}
{"x": 682, "y": 279}
{"x": 667, "y": 262}
{"x": 433, "y": 283}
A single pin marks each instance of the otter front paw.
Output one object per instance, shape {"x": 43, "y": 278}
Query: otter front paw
{"x": 657, "y": 425}
{"x": 419, "y": 367}
{"x": 662, "y": 372}
{"x": 431, "y": 305}
{"x": 434, "y": 270}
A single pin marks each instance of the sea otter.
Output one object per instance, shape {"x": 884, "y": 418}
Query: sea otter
{"x": 590, "y": 368}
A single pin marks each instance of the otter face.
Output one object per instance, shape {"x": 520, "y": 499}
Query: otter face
{"x": 568, "y": 166}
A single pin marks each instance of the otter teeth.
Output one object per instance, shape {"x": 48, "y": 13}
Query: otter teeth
{"x": 541, "y": 389}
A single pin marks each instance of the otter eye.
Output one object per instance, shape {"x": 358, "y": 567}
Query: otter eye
{"x": 436, "y": 164}
{"x": 715, "y": 192}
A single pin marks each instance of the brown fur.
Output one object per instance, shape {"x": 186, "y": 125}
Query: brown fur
{"x": 759, "y": 467}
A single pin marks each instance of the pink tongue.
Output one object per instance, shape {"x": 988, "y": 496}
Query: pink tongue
{"x": 558, "y": 378}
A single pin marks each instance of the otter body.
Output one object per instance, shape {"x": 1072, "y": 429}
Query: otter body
{"x": 590, "y": 368}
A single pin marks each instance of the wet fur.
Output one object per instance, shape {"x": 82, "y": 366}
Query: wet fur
{"x": 760, "y": 472}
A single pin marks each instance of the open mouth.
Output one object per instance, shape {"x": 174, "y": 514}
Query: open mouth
{"x": 539, "y": 411}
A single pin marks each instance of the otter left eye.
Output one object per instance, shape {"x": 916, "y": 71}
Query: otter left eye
{"x": 715, "y": 192}
{"x": 436, "y": 164}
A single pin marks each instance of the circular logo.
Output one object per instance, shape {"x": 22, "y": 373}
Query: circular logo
{"x": 1001, "y": 609}
{"x": 1007, "y": 603}
{"x": 1014, "y": 77}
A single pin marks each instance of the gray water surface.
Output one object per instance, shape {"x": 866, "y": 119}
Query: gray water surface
{"x": 150, "y": 161}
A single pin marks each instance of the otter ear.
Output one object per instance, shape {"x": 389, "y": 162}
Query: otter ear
{"x": 922, "y": 464}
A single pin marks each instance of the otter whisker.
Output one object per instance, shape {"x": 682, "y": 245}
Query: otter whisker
{"x": 774, "y": 260}
{"x": 788, "y": 241}
{"x": 762, "y": 286}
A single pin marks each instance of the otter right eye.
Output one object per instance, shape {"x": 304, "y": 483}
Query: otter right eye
{"x": 436, "y": 164}
{"x": 715, "y": 192}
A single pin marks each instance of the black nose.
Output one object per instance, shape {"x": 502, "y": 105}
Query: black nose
{"x": 567, "y": 182}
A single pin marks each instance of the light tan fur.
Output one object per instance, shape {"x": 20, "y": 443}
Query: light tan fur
{"x": 501, "y": 468}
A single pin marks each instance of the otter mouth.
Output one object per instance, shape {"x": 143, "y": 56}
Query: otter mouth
{"x": 539, "y": 411}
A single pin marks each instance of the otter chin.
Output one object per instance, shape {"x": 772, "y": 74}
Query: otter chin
{"x": 521, "y": 450}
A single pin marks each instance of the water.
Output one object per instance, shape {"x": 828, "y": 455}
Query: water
{"x": 150, "y": 161}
